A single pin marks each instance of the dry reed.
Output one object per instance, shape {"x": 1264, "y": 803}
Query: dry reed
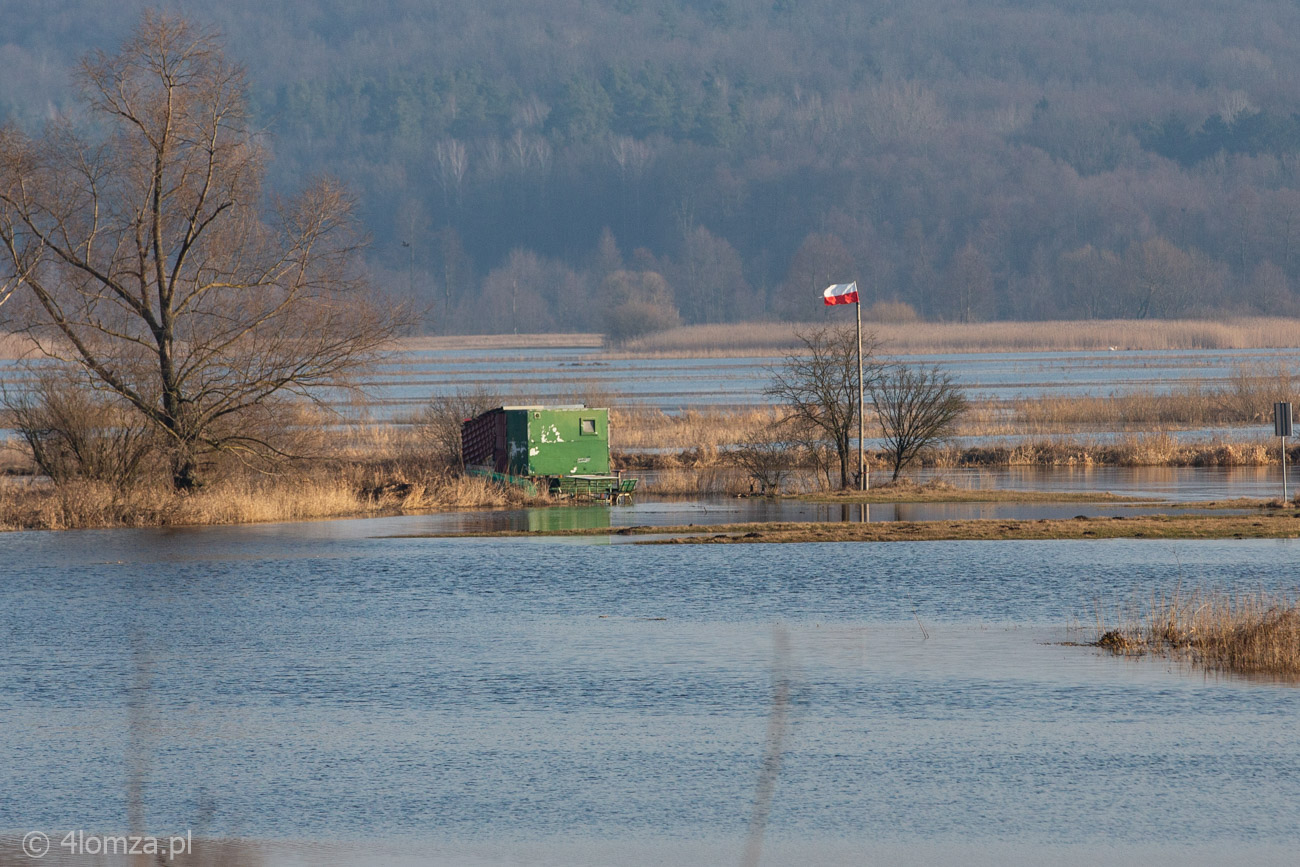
{"x": 936, "y": 337}
{"x": 694, "y": 483}
{"x": 456, "y": 342}
{"x": 329, "y": 490}
{"x": 1252, "y": 634}
{"x": 692, "y": 429}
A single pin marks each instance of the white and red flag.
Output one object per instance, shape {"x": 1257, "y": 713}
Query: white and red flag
{"x": 841, "y": 293}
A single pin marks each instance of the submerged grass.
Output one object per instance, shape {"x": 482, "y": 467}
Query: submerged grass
{"x": 1252, "y": 634}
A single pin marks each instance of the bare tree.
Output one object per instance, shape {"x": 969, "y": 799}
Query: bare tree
{"x": 441, "y": 421}
{"x": 917, "y": 407}
{"x": 766, "y": 456}
{"x": 452, "y": 160}
{"x": 142, "y": 255}
{"x": 818, "y": 386}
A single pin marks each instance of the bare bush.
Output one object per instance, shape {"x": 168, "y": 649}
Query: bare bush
{"x": 1250, "y": 393}
{"x": 766, "y": 456}
{"x": 75, "y": 433}
{"x": 917, "y": 407}
{"x": 440, "y": 423}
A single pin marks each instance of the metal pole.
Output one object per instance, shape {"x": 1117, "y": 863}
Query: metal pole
{"x": 862, "y": 409}
{"x": 1284, "y": 470}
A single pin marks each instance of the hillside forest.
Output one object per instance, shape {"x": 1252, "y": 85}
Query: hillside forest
{"x": 623, "y": 165}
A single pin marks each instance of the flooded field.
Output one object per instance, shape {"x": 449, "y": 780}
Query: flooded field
{"x": 676, "y": 383}
{"x": 363, "y": 692}
{"x": 550, "y": 375}
{"x": 333, "y": 693}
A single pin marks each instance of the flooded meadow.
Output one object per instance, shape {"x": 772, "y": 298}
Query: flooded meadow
{"x": 375, "y": 692}
{"x": 351, "y": 692}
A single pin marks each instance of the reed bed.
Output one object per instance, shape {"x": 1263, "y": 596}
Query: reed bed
{"x": 695, "y": 483}
{"x": 1247, "y": 633}
{"x": 329, "y": 490}
{"x": 456, "y": 342}
{"x": 692, "y": 429}
{"x": 939, "y": 337}
{"x": 1135, "y": 450}
{"x": 1246, "y": 398}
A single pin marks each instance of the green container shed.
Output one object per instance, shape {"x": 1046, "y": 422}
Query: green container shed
{"x": 533, "y": 441}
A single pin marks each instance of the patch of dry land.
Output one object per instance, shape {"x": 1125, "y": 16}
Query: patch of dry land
{"x": 1273, "y": 525}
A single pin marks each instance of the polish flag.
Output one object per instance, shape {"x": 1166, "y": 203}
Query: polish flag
{"x": 841, "y": 293}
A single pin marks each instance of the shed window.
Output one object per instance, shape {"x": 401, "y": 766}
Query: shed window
{"x": 587, "y": 426}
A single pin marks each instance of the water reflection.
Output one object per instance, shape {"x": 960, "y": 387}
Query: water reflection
{"x": 1183, "y": 484}
{"x": 706, "y": 512}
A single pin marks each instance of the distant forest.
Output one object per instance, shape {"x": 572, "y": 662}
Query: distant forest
{"x": 617, "y": 165}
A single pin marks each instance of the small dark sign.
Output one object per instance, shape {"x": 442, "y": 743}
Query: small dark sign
{"x": 1282, "y": 419}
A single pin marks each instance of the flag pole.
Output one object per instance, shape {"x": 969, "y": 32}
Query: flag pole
{"x": 862, "y": 409}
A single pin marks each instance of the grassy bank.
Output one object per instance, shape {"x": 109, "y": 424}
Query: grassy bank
{"x": 1252, "y": 634}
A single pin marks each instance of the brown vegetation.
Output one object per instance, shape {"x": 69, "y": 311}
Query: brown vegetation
{"x": 1134, "y": 450}
{"x": 1252, "y": 634}
{"x": 459, "y": 342}
{"x": 1246, "y": 398}
{"x": 935, "y": 337}
{"x": 333, "y": 489}
{"x": 642, "y": 428}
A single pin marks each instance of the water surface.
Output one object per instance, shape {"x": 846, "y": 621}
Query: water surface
{"x": 324, "y": 693}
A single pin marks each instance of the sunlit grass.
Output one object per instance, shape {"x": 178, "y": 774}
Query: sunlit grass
{"x": 1245, "y": 633}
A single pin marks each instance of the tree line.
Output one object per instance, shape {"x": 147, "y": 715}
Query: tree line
{"x": 536, "y": 167}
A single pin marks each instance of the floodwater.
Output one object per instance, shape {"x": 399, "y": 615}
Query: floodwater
{"x": 331, "y": 693}
{"x": 566, "y": 375}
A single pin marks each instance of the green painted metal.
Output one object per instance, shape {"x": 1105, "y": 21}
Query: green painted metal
{"x": 557, "y": 442}
{"x": 590, "y": 486}
{"x": 563, "y": 449}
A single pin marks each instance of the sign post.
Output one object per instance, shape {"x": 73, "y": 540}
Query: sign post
{"x": 1282, "y": 428}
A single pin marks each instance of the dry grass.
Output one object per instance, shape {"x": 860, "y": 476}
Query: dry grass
{"x": 693, "y": 483}
{"x": 328, "y": 490}
{"x": 692, "y": 429}
{"x": 936, "y": 337}
{"x": 1134, "y": 450}
{"x": 1246, "y": 398}
{"x": 1252, "y": 634}
{"x": 457, "y": 342}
